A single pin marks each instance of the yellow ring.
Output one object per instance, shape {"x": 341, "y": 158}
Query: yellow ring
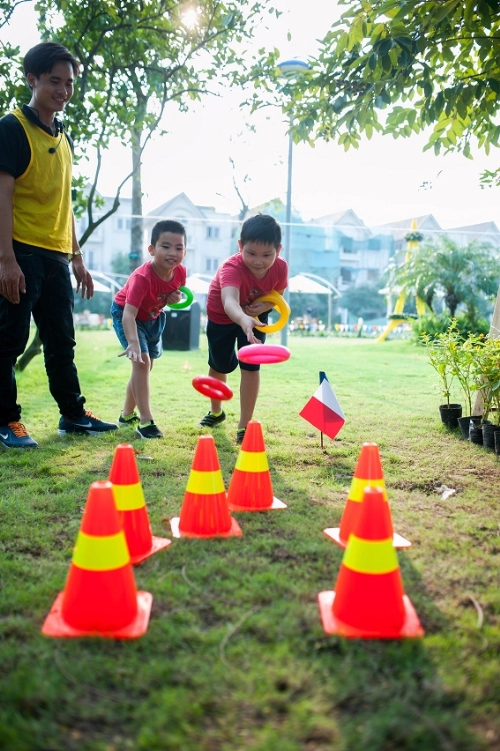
{"x": 281, "y": 305}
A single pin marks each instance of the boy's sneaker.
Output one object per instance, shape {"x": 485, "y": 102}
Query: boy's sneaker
{"x": 88, "y": 423}
{"x": 130, "y": 420}
{"x": 210, "y": 420}
{"x": 15, "y": 436}
{"x": 240, "y": 434}
{"x": 149, "y": 431}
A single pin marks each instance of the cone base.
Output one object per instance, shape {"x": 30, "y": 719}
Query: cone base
{"x": 275, "y": 506}
{"x": 157, "y": 543}
{"x": 411, "y": 629}
{"x": 235, "y": 530}
{"x": 56, "y": 626}
{"x": 333, "y": 533}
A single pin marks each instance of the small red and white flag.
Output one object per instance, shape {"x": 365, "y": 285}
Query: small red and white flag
{"x": 323, "y": 410}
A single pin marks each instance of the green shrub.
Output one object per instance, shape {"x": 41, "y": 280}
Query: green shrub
{"x": 432, "y": 326}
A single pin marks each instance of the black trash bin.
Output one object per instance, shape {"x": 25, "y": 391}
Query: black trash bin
{"x": 182, "y": 328}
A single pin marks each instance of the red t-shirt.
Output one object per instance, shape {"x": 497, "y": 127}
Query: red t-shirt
{"x": 147, "y": 292}
{"x": 233, "y": 273}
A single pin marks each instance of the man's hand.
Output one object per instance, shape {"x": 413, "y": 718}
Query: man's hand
{"x": 12, "y": 281}
{"x": 84, "y": 281}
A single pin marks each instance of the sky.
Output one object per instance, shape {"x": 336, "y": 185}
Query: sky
{"x": 384, "y": 180}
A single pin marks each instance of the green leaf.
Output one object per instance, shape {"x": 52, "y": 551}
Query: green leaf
{"x": 469, "y": 12}
{"x": 443, "y": 10}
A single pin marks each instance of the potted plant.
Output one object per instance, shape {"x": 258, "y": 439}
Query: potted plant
{"x": 441, "y": 357}
{"x": 486, "y": 374}
{"x": 463, "y": 358}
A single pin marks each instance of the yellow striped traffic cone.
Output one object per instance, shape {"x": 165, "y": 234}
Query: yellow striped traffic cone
{"x": 205, "y": 512}
{"x": 251, "y": 488}
{"x": 368, "y": 473}
{"x": 369, "y": 600}
{"x": 100, "y": 596}
{"x": 129, "y": 499}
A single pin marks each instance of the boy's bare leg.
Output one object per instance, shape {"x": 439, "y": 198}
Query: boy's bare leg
{"x": 140, "y": 387}
{"x": 216, "y": 404}
{"x": 130, "y": 402}
{"x": 249, "y": 391}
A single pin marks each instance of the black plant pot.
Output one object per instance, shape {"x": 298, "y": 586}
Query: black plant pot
{"x": 489, "y": 431}
{"x": 476, "y": 433}
{"x": 497, "y": 443}
{"x": 464, "y": 424}
{"x": 450, "y": 414}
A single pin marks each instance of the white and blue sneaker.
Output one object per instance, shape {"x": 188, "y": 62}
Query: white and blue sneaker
{"x": 87, "y": 423}
{"x": 15, "y": 436}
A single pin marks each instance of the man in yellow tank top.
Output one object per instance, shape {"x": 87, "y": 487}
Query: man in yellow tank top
{"x": 37, "y": 243}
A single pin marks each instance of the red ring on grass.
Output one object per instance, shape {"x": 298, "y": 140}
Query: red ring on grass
{"x": 212, "y": 387}
{"x": 263, "y": 354}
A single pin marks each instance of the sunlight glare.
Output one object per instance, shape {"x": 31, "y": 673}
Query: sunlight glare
{"x": 190, "y": 17}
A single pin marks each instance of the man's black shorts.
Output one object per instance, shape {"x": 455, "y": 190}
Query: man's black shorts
{"x": 222, "y": 339}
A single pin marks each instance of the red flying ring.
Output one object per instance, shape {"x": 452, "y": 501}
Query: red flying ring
{"x": 212, "y": 387}
{"x": 263, "y": 354}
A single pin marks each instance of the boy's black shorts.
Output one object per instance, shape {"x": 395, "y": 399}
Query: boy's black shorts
{"x": 222, "y": 338}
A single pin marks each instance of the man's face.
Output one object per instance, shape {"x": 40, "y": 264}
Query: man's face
{"x": 52, "y": 91}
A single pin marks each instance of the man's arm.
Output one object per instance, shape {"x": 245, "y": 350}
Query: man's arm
{"x": 12, "y": 281}
{"x": 84, "y": 281}
{"x": 230, "y": 297}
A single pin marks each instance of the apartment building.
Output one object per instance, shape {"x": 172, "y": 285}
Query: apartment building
{"x": 338, "y": 247}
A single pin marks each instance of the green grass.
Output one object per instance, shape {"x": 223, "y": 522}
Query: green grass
{"x": 235, "y": 657}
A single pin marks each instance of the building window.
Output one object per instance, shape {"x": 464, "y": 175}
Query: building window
{"x": 213, "y": 233}
{"x": 123, "y": 224}
{"x": 346, "y": 276}
{"x": 211, "y": 264}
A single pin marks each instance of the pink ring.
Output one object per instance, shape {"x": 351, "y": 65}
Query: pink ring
{"x": 212, "y": 387}
{"x": 263, "y": 354}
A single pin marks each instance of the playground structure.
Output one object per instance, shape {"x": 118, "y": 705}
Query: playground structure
{"x": 398, "y": 317}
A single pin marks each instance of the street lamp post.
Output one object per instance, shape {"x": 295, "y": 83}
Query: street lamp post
{"x": 288, "y": 228}
{"x": 289, "y": 69}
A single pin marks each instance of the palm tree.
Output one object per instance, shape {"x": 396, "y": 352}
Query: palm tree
{"x": 464, "y": 275}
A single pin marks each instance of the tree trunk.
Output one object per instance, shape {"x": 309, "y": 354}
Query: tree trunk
{"x": 136, "y": 234}
{"x": 451, "y": 303}
{"x": 35, "y": 348}
{"x": 494, "y": 333}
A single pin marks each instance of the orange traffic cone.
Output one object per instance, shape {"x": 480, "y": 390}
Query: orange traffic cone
{"x": 204, "y": 511}
{"x": 369, "y": 600}
{"x": 368, "y": 472}
{"x": 250, "y": 488}
{"x": 129, "y": 499}
{"x": 100, "y": 597}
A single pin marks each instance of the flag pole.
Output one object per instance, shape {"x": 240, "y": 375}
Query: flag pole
{"x": 322, "y": 376}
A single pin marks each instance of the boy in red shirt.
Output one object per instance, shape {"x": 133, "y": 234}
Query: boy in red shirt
{"x": 139, "y": 318}
{"x": 231, "y": 311}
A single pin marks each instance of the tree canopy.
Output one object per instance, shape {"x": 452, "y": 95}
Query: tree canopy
{"x": 364, "y": 300}
{"x": 461, "y": 275}
{"x": 403, "y": 67}
{"x": 136, "y": 58}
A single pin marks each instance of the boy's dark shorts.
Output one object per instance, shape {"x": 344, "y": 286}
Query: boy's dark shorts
{"x": 222, "y": 338}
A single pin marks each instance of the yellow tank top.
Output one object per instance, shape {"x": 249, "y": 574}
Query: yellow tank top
{"x": 42, "y": 194}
